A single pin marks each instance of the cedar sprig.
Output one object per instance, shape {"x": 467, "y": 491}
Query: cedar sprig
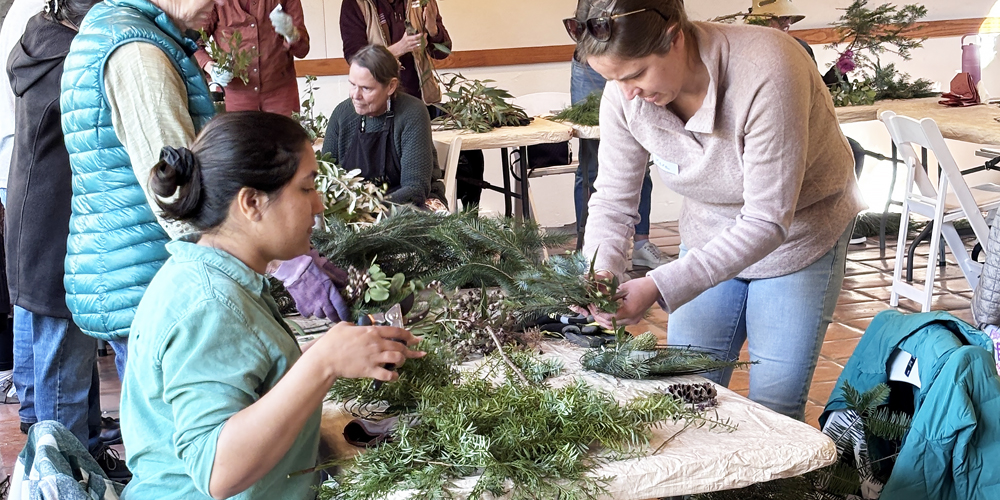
{"x": 526, "y": 440}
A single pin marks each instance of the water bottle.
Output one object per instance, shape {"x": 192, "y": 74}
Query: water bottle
{"x": 970, "y": 58}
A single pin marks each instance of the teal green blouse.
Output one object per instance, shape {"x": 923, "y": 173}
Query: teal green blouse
{"x": 207, "y": 341}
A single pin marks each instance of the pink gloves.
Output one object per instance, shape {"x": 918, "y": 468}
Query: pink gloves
{"x": 314, "y": 284}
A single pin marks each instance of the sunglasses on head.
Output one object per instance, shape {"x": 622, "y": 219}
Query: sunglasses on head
{"x": 599, "y": 27}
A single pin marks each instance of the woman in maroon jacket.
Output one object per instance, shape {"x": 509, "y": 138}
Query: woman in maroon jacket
{"x": 271, "y": 84}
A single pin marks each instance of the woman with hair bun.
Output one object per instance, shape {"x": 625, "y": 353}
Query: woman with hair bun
{"x": 218, "y": 400}
{"x": 737, "y": 121}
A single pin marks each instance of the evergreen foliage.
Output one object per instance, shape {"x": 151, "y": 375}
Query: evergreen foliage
{"x": 458, "y": 250}
{"x": 868, "y": 35}
{"x": 477, "y": 106}
{"x": 586, "y": 112}
{"x": 528, "y": 440}
{"x": 639, "y": 357}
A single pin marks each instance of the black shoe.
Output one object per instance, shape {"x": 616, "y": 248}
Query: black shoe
{"x": 113, "y": 465}
{"x": 25, "y": 427}
{"x": 111, "y": 432}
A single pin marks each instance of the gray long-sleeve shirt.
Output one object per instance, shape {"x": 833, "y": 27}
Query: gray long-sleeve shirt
{"x": 766, "y": 174}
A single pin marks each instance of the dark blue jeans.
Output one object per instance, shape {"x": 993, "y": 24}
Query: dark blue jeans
{"x": 55, "y": 373}
{"x": 586, "y": 81}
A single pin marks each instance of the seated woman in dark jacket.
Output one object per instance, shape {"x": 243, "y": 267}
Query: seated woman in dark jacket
{"x": 384, "y": 133}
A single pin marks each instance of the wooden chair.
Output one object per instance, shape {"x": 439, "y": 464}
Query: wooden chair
{"x": 952, "y": 199}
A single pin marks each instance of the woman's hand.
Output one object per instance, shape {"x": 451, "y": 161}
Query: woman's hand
{"x": 407, "y": 44}
{"x": 430, "y": 18}
{"x": 637, "y": 296}
{"x": 363, "y": 351}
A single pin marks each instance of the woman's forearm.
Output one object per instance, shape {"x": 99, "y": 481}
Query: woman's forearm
{"x": 255, "y": 439}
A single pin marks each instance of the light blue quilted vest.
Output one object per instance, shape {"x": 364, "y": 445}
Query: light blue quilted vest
{"x": 115, "y": 244}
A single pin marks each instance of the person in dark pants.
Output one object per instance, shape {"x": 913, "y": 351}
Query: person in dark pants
{"x": 55, "y": 366}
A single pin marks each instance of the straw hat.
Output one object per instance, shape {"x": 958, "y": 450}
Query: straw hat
{"x": 776, "y": 8}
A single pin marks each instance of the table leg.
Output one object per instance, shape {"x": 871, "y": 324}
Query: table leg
{"x": 505, "y": 161}
{"x": 522, "y": 163}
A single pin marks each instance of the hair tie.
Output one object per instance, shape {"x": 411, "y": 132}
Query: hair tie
{"x": 183, "y": 161}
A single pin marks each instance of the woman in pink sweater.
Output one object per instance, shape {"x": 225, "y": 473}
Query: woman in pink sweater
{"x": 737, "y": 121}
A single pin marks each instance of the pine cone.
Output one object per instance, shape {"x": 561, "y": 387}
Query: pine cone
{"x": 357, "y": 283}
{"x": 694, "y": 393}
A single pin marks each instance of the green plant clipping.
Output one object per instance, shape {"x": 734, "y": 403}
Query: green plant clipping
{"x": 347, "y": 196}
{"x": 586, "y": 112}
{"x": 867, "y": 34}
{"x": 234, "y": 60}
{"x": 527, "y": 440}
{"x": 639, "y": 357}
{"x": 314, "y": 123}
{"x": 477, "y": 106}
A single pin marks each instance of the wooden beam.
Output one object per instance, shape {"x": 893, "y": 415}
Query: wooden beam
{"x": 563, "y": 53}
{"x": 929, "y": 29}
{"x": 457, "y": 60}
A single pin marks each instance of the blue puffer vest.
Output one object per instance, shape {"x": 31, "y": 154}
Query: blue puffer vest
{"x": 115, "y": 244}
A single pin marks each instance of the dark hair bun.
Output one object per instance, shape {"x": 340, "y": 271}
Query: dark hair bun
{"x": 178, "y": 171}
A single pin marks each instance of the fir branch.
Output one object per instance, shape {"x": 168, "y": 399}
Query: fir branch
{"x": 525, "y": 440}
{"x": 632, "y": 358}
{"x": 585, "y": 112}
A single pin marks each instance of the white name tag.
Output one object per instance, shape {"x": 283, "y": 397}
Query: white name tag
{"x": 666, "y": 166}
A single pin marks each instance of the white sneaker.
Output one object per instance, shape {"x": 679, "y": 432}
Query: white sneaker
{"x": 8, "y": 394}
{"x": 648, "y": 256}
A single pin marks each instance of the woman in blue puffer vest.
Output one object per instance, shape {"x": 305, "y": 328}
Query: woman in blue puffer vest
{"x": 130, "y": 86}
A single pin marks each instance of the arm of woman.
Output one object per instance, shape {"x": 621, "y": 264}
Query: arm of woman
{"x": 440, "y": 37}
{"x": 201, "y": 55}
{"x": 279, "y": 416}
{"x": 149, "y": 110}
{"x": 353, "y": 32}
{"x": 299, "y": 48}
{"x": 416, "y": 150}
{"x": 226, "y": 433}
{"x": 614, "y": 207}
{"x": 331, "y": 140}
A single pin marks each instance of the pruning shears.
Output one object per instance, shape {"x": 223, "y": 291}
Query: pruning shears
{"x": 392, "y": 317}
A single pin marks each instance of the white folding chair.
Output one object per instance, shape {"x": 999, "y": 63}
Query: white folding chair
{"x": 447, "y": 153}
{"x": 951, "y": 200}
{"x": 543, "y": 104}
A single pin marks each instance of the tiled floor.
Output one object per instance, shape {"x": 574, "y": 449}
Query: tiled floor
{"x": 865, "y": 293}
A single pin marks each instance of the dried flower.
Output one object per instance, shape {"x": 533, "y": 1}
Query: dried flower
{"x": 845, "y": 63}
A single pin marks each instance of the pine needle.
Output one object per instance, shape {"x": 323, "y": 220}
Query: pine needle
{"x": 586, "y": 112}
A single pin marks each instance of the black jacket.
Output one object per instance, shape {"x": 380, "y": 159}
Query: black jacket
{"x": 39, "y": 188}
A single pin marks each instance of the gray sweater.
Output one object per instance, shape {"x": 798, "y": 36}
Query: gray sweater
{"x": 766, "y": 175}
{"x": 411, "y": 141}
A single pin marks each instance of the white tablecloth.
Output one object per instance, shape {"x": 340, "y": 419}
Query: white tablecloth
{"x": 539, "y": 131}
{"x": 764, "y": 446}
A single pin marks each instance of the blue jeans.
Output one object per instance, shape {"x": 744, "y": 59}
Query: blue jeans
{"x": 783, "y": 318}
{"x": 55, "y": 373}
{"x": 120, "y": 346}
{"x": 586, "y": 81}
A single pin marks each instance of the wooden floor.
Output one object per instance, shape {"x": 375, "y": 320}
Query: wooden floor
{"x": 865, "y": 293}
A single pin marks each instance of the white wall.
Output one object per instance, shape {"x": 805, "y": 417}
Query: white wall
{"x": 479, "y": 24}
